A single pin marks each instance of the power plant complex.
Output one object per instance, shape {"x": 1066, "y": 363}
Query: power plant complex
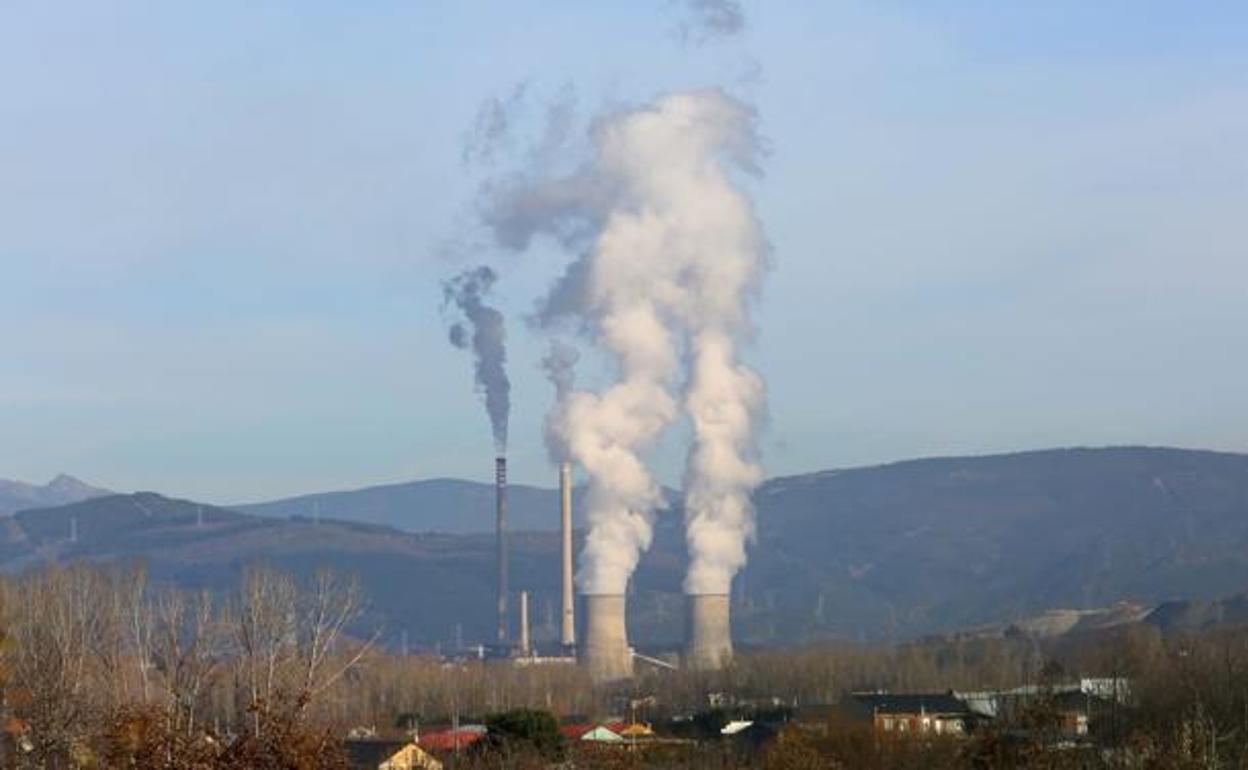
{"x": 668, "y": 303}
{"x": 604, "y": 650}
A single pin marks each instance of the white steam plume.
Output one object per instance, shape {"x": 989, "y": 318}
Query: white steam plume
{"x": 725, "y": 402}
{"x": 671, "y": 254}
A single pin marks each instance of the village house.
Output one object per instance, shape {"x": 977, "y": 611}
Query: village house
{"x": 911, "y": 713}
{"x": 374, "y": 754}
{"x": 1072, "y": 703}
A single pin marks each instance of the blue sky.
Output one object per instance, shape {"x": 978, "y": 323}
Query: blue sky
{"x": 997, "y": 226}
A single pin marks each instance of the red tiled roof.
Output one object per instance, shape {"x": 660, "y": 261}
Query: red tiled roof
{"x": 574, "y": 732}
{"x": 448, "y": 740}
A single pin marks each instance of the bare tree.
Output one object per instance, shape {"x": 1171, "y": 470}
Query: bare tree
{"x": 187, "y": 649}
{"x": 291, "y": 641}
{"x": 264, "y": 629}
{"x": 330, "y": 605}
{"x": 56, "y": 625}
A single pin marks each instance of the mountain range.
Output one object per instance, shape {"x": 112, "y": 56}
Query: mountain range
{"x": 17, "y": 495}
{"x": 1043, "y": 540}
{"x": 449, "y": 506}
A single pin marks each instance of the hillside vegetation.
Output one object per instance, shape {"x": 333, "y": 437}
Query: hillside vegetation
{"x": 889, "y": 552}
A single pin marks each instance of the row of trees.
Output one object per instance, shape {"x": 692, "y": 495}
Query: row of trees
{"x": 100, "y": 667}
{"x": 99, "y": 660}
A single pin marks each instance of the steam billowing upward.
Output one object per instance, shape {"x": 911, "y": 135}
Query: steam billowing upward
{"x": 725, "y": 402}
{"x": 483, "y": 330}
{"x": 670, "y": 253}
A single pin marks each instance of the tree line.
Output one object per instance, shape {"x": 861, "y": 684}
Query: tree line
{"x": 102, "y": 667}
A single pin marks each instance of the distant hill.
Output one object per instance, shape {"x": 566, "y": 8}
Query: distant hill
{"x": 17, "y": 495}
{"x": 904, "y": 549}
{"x": 1200, "y": 614}
{"x": 449, "y": 506}
{"x": 1029, "y": 541}
{"x": 437, "y": 505}
{"x": 425, "y": 582}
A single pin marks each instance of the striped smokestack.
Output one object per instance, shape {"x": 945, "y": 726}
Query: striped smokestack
{"x": 568, "y": 630}
{"x": 500, "y": 528}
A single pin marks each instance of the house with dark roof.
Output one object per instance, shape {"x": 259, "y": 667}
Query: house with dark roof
{"x": 1069, "y": 705}
{"x": 911, "y": 713}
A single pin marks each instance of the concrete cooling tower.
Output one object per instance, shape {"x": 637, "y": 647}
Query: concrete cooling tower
{"x": 708, "y": 635}
{"x": 604, "y": 650}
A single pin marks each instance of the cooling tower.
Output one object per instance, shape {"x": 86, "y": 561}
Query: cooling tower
{"x": 708, "y": 636}
{"x": 567, "y": 634}
{"x": 500, "y": 528}
{"x": 604, "y": 650}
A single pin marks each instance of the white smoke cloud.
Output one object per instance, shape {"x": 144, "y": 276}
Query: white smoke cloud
{"x": 725, "y": 402}
{"x": 670, "y": 252}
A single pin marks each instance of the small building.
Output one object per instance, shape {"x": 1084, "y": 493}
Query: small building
{"x": 388, "y": 755}
{"x": 750, "y": 735}
{"x": 574, "y": 732}
{"x": 636, "y": 731}
{"x": 607, "y": 732}
{"x": 1070, "y": 705}
{"x": 602, "y": 734}
{"x": 912, "y": 713}
{"x": 451, "y": 741}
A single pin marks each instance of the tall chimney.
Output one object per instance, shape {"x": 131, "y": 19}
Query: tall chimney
{"x": 500, "y": 526}
{"x": 604, "y": 651}
{"x": 708, "y": 635}
{"x": 568, "y": 630}
{"x": 525, "y": 648}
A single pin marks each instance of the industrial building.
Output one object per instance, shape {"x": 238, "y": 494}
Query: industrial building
{"x": 604, "y": 649}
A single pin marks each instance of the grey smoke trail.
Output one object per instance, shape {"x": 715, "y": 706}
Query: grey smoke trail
{"x": 672, "y": 251}
{"x": 484, "y": 331}
{"x": 560, "y": 367}
{"x": 492, "y": 130}
{"x": 708, "y": 20}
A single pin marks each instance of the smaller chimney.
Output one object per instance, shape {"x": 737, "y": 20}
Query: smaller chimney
{"x": 567, "y": 634}
{"x": 526, "y": 649}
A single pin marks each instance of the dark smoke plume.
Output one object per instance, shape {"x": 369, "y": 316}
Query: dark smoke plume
{"x": 483, "y": 330}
